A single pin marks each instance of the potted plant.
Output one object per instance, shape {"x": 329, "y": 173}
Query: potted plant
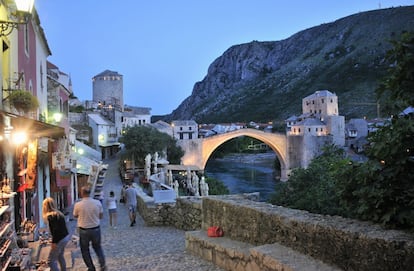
{"x": 23, "y": 101}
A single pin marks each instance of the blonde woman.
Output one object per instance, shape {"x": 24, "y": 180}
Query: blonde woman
{"x": 59, "y": 232}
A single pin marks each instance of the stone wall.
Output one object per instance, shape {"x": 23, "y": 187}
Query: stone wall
{"x": 348, "y": 244}
{"x": 184, "y": 214}
{"x": 345, "y": 243}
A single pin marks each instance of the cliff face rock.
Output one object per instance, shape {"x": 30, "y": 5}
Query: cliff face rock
{"x": 265, "y": 81}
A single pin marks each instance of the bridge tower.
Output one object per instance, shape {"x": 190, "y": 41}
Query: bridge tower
{"x": 319, "y": 124}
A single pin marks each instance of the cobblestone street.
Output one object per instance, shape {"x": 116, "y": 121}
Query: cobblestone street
{"x": 140, "y": 247}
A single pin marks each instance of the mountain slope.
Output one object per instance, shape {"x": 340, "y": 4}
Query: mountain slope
{"x": 265, "y": 81}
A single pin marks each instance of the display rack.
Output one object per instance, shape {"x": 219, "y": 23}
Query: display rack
{"x": 7, "y": 232}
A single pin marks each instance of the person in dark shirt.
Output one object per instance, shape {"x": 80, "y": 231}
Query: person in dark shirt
{"x": 59, "y": 232}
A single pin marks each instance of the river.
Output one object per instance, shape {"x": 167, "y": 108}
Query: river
{"x": 245, "y": 173}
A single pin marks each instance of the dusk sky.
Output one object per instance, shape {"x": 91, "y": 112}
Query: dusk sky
{"x": 163, "y": 47}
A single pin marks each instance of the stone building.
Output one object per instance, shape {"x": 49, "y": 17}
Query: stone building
{"x": 319, "y": 124}
{"x": 107, "y": 89}
{"x": 184, "y": 129}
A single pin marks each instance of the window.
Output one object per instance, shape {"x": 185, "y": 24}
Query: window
{"x": 190, "y": 135}
{"x": 41, "y": 77}
{"x": 323, "y": 100}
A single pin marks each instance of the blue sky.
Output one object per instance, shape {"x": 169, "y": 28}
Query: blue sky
{"x": 163, "y": 47}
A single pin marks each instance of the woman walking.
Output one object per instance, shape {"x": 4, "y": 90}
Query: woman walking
{"x": 60, "y": 234}
{"x": 112, "y": 204}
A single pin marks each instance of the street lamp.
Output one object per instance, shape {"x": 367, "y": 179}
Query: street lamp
{"x": 57, "y": 117}
{"x": 22, "y": 14}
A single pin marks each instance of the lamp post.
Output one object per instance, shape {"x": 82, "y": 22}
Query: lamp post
{"x": 21, "y": 16}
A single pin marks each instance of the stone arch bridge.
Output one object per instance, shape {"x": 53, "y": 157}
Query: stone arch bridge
{"x": 198, "y": 151}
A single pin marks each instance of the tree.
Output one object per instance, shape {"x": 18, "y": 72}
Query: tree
{"x": 216, "y": 187}
{"x": 142, "y": 140}
{"x": 398, "y": 86}
{"x": 382, "y": 189}
{"x": 314, "y": 188}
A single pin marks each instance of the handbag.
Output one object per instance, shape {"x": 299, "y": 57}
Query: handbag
{"x": 215, "y": 231}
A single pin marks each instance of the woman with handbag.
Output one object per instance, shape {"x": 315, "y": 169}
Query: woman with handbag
{"x": 59, "y": 232}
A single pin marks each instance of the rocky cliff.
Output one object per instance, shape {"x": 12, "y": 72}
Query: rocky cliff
{"x": 266, "y": 81}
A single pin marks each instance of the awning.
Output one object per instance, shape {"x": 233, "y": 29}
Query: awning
{"x": 33, "y": 127}
{"x": 84, "y": 165}
{"x": 109, "y": 144}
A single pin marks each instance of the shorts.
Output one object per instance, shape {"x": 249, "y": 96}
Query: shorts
{"x": 112, "y": 211}
{"x": 132, "y": 208}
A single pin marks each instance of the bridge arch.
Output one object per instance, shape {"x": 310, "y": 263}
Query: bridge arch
{"x": 198, "y": 152}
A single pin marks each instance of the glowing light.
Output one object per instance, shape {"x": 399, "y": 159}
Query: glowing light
{"x": 19, "y": 138}
{"x": 24, "y": 5}
{"x": 57, "y": 117}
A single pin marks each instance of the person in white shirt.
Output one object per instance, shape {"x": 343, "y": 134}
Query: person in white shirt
{"x": 111, "y": 203}
{"x": 89, "y": 212}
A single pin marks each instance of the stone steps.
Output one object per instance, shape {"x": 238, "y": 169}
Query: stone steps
{"x": 238, "y": 256}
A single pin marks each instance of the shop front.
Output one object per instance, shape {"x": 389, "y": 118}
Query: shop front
{"x": 26, "y": 148}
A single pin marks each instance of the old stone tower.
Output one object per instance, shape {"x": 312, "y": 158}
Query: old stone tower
{"x": 107, "y": 88}
{"x": 318, "y": 125}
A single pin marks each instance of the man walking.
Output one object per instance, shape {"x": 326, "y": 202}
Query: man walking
{"x": 89, "y": 212}
{"x": 131, "y": 199}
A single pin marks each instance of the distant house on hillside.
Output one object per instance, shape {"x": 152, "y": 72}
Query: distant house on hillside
{"x": 356, "y": 132}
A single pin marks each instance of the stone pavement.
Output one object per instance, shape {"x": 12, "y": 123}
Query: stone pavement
{"x": 139, "y": 247}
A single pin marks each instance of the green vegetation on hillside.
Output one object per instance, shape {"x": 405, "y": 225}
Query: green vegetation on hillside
{"x": 266, "y": 81}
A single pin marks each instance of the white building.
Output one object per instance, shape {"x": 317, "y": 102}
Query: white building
{"x": 104, "y": 135}
{"x": 184, "y": 129}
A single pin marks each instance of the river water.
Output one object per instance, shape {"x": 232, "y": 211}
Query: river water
{"x": 245, "y": 173}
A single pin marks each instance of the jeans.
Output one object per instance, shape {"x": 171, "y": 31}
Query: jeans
{"x": 56, "y": 255}
{"x": 87, "y": 236}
